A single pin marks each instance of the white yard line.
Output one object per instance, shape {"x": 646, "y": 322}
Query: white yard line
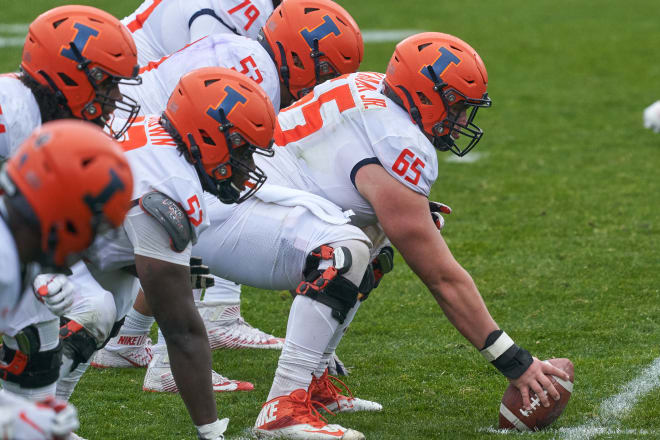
{"x": 13, "y": 35}
{"x": 469, "y": 158}
{"x": 614, "y": 408}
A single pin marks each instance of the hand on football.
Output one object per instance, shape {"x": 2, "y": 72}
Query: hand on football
{"x": 437, "y": 209}
{"x": 56, "y": 291}
{"x": 536, "y": 380}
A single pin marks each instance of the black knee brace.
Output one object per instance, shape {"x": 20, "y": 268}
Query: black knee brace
{"x": 77, "y": 344}
{"x": 27, "y": 366}
{"x": 329, "y": 287}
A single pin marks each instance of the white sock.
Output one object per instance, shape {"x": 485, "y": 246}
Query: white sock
{"x": 224, "y": 291}
{"x": 334, "y": 341}
{"x": 309, "y": 330}
{"x": 212, "y": 431}
{"x": 67, "y": 384}
{"x": 160, "y": 343}
{"x": 133, "y": 332}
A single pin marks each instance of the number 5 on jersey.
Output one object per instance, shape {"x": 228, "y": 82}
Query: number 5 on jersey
{"x": 407, "y": 164}
{"x": 194, "y": 211}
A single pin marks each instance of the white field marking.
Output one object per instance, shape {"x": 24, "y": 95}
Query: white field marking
{"x": 471, "y": 157}
{"x": 593, "y": 431}
{"x": 614, "y": 408}
{"x": 19, "y": 30}
{"x": 13, "y": 28}
{"x": 387, "y": 36}
{"x": 11, "y": 41}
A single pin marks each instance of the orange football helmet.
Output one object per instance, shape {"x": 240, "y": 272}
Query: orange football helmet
{"x": 82, "y": 54}
{"x": 71, "y": 181}
{"x": 217, "y": 112}
{"x": 312, "y": 41}
{"x": 430, "y": 74}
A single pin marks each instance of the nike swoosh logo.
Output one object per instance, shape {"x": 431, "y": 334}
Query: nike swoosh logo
{"x": 323, "y": 431}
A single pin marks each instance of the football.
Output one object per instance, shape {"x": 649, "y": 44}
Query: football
{"x": 512, "y": 414}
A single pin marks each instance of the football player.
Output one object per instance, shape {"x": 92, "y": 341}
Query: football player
{"x": 74, "y": 60}
{"x": 303, "y": 44}
{"x": 368, "y": 142}
{"x": 67, "y": 182}
{"x": 163, "y": 27}
{"x": 215, "y": 121}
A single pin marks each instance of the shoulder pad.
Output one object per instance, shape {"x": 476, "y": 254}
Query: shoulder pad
{"x": 171, "y": 216}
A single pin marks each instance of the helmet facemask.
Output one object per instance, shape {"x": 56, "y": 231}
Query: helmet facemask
{"x": 220, "y": 180}
{"x": 102, "y": 81}
{"x": 447, "y": 132}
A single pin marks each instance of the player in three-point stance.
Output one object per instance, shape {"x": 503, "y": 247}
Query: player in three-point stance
{"x": 215, "y": 121}
{"x": 67, "y": 182}
{"x": 74, "y": 60}
{"x": 303, "y": 44}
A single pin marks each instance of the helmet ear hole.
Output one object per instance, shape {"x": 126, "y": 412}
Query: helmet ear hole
{"x": 297, "y": 61}
{"x": 423, "y": 99}
{"x": 71, "y": 228}
{"x": 67, "y": 80}
{"x": 206, "y": 138}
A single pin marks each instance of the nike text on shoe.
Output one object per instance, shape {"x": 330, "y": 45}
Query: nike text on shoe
{"x": 124, "y": 352}
{"x": 325, "y": 391}
{"x": 294, "y": 417}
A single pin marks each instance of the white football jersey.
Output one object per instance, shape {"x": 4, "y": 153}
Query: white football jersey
{"x": 10, "y": 275}
{"x": 156, "y": 166}
{"x": 19, "y": 114}
{"x": 346, "y": 123}
{"x": 160, "y": 27}
{"x": 233, "y": 52}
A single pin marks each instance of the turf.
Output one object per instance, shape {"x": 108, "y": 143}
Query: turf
{"x": 558, "y": 223}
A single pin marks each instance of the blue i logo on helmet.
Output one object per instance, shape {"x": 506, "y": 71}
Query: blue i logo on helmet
{"x": 80, "y": 41}
{"x": 231, "y": 100}
{"x": 441, "y": 63}
{"x": 321, "y": 31}
{"x": 96, "y": 203}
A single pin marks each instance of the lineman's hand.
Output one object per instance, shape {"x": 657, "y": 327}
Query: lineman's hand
{"x": 535, "y": 380}
{"x": 56, "y": 291}
{"x": 48, "y": 419}
{"x": 200, "y": 274}
{"x": 437, "y": 209}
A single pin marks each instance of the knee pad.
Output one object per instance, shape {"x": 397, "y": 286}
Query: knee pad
{"x": 77, "y": 343}
{"x": 95, "y": 312}
{"x": 328, "y": 286}
{"x": 25, "y": 365}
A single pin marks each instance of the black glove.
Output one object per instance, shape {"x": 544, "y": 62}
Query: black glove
{"x": 200, "y": 275}
{"x": 437, "y": 209}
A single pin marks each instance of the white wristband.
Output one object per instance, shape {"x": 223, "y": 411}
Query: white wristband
{"x": 497, "y": 348}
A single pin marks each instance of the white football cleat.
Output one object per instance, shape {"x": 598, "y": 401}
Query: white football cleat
{"x": 159, "y": 378}
{"x": 124, "y": 352}
{"x": 227, "y": 329}
{"x": 325, "y": 394}
{"x": 294, "y": 417}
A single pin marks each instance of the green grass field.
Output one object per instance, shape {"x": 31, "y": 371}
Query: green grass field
{"x": 557, "y": 221}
